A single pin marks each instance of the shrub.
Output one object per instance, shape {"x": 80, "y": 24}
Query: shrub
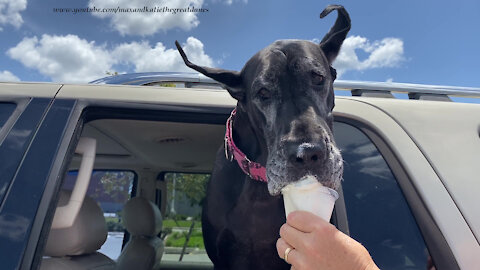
{"x": 114, "y": 226}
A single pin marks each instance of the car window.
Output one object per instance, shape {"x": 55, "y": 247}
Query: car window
{"x": 6, "y": 109}
{"x": 378, "y": 214}
{"x": 182, "y": 226}
{"x": 111, "y": 190}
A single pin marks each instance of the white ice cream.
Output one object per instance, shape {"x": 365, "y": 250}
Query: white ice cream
{"x": 309, "y": 195}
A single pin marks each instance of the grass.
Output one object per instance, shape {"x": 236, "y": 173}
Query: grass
{"x": 111, "y": 219}
{"x": 167, "y": 223}
{"x": 113, "y": 224}
{"x": 170, "y": 223}
{"x": 177, "y": 239}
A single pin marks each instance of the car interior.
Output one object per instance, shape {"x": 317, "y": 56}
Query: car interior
{"x": 141, "y": 208}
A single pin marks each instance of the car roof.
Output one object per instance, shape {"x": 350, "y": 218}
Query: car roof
{"x": 28, "y": 89}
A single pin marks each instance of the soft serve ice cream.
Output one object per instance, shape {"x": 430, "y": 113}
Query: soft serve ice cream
{"x": 308, "y": 194}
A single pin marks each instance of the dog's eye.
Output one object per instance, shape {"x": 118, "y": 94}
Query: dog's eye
{"x": 317, "y": 78}
{"x": 264, "y": 94}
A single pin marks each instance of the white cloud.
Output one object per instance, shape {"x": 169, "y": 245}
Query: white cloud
{"x": 10, "y": 12}
{"x": 7, "y": 76}
{"x": 159, "y": 58}
{"x": 387, "y": 52}
{"x": 71, "y": 59}
{"x": 63, "y": 58}
{"x": 148, "y": 23}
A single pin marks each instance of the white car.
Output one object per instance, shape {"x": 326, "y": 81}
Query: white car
{"x": 411, "y": 184}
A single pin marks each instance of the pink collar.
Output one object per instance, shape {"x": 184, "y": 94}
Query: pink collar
{"x": 252, "y": 169}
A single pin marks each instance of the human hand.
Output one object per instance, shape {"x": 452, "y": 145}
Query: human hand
{"x": 316, "y": 244}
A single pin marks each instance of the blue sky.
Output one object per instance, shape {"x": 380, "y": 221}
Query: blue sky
{"x": 431, "y": 42}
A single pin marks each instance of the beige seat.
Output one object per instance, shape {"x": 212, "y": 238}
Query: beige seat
{"x": 76, "y": 247}
{"x": 143, "y": 220}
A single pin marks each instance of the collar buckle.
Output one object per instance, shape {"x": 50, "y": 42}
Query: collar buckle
{"x": 228, "y": 151}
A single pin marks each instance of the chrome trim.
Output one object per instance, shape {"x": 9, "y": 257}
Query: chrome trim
{"x": 152, "y": 77}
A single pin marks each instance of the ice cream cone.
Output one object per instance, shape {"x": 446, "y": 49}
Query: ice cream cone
{"x": 309, "y": 195}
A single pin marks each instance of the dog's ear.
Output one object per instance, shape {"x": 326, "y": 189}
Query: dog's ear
{"x": 333, "y": 40}
{"x": 231, "y": 79}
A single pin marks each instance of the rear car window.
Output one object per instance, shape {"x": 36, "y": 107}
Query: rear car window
{"x": 6, "y": 110}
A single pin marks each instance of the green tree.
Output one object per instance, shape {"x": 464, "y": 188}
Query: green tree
{"x": 111, "y": 73}
{"x": 115, "y": 184}
{"x": 193, "y": 186}
{"x": 168, "y": 85}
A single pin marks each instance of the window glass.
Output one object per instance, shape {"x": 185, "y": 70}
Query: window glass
{"x": 111, "y": 190}
{"x": 378, "y": 214}
{"x": 182, "y": 226}
{"x": 6, "y": 109}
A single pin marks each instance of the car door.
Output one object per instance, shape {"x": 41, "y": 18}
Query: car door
{"x": 379, "y": 205}
{"x": 32, "y": 192}
{"x": 33, "y": 126}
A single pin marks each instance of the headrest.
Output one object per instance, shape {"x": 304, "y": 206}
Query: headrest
{"x": 86, "y": 235}
{"x": 141, "y": 217}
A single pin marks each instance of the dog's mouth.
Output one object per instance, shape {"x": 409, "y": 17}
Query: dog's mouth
{"x": 326, "y": 182}
{"x": 281, "y": 173}
{"x": 277, "y": 184}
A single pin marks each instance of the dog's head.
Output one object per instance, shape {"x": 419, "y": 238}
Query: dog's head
{"x": 286, "y": 90}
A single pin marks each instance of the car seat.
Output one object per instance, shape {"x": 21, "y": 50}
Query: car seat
{"x": 143, "y": 220}
{"x": 75, "y": 247}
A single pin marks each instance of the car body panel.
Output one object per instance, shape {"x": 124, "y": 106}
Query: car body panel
{"x": 427, "y": 182}
{"x": 448, "y": 135}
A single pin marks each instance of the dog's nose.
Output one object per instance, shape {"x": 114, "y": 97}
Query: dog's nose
{"x": 306, "y": 154}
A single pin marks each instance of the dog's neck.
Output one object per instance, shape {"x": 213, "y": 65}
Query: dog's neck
{"x": 246, "y": 139}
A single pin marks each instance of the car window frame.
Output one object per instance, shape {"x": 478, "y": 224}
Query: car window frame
{"x": 433, "y": 237}
{"x": 84, "y": 111}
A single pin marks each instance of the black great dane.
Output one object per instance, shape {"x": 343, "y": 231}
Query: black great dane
{"x": 280, "y": 131}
